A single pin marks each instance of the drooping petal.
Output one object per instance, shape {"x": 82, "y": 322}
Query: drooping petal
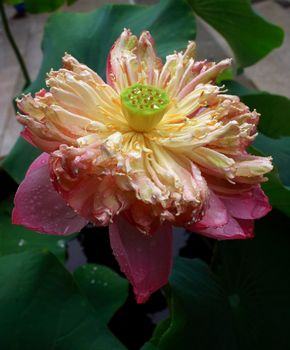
{"x": 253, "y": 204}
{"x": 39, "y": 207}
{"x": 145, "y": 260}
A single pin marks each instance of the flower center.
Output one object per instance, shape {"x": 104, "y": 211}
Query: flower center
{"x": 144, "y": 106}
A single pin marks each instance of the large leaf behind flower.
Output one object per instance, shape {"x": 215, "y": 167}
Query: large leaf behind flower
{"x": 39, "y": 6}
{"x": 244, "y": 305}
{"x": 43, "y": 307}
{"x": 250, "y": 36}
{"x": 89, "y": 37}
{"x": 275, "y": 127}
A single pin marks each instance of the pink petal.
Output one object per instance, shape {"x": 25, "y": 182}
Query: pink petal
{"x": 36, "y": 141}
{"x": 148, "y": 56}
{"x": 26, "y": 136}
{"x": 121, "y": 54}
{"x": 216, "y": 214}
{"x": 142, "y": 217}
{"x": 81, "y": 181}
{"x": 39, "y": 162}
{"x": 38, "y": 207}
{"x": 129, "y": 58}
{"x": 205, "y": 76}
{"x": 234, "y": 229}
{"x": 247, "y": 226}
{"x": 248, "y": 205}
{"x": 145, "y": 260}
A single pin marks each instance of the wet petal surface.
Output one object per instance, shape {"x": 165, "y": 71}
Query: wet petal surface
{"x": 39, "y": 207}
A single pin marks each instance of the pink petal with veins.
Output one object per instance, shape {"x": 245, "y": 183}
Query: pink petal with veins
{"x": 36, "y": 141}
{"x": 131, "y": 59}
{"x": 145, "y": 260}
{"x": 25, "y": 134}
{"x": 39, "y": 162}
{"x": 249, "y": 205}
{"x": 216, "y": 214}
{"x": 38, "y": 206}
{"x": 234, "y": 229}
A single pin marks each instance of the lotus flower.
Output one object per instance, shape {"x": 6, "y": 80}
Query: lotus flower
{"x": 157, "y": 145}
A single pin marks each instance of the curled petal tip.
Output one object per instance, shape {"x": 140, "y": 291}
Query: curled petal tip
{"x": 41, "y": 93}
{"x": 190, "y": 50}
{"x": 126, "y": 34}
{"x": 66, "y": 57}
{"x": 226, "y": 62}
{"x": 145, "y": 35}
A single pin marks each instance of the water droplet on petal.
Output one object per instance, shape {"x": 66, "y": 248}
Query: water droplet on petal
{"x": 61, "y": 243}
{"x": 21, "y": 242}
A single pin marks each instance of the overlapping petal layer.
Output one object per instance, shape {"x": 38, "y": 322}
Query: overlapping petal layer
{"x": 192, "y": 169}
{"x": 231, "y": 216}
{"x": 39, "y": 207}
